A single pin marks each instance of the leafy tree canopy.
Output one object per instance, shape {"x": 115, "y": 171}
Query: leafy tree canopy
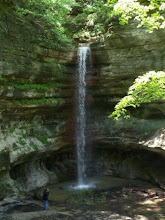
{"x": 48, "y": 19}
{"x": 147, "y": 88}
{"x": 148, "y": 13}
{"x": 92, "y": 19}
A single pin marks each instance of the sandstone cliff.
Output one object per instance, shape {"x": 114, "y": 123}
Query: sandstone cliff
{"x": 136, "y": 145}
{"x": 37, "y": 109}
{"x": 36, "y": 90}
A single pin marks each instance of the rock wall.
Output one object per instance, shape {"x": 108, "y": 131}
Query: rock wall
{"x": 36, "y": 99}
{"x": 37, "y": 109}
{"x": 118, "y": 60}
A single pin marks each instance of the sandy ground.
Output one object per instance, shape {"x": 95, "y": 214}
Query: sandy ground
{"x": 111, "y": 199}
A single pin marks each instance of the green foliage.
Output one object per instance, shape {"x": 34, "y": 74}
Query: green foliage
{"x": 3, "y": 80}
{"x": 93, "y": 20}
{"x": 88, "y": 197}
{"x": 40, "y": 89}
{"x": 33, "y": 145}
{"x": 21, "y": 141}
{"x": 42, "y": 138}
{"x": 11, "y": 130}
{"x": 28, "y": 85}
{"x": 147, "y": 88}
{"x": 149, "y": 14}
{"x": 37, "y": 101}
{"x": 48, "y": 20}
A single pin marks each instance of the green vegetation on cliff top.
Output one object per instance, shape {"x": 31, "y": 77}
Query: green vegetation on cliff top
{"x": 97, "y": 16}
{"x": 54, "y": 24}
{"x": 147, "y": 13}
{"x": 95, "y": 19}
{"x": 46, "y": 20}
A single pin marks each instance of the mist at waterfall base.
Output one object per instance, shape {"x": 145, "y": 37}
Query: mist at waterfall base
{"x": 83, "y": 62}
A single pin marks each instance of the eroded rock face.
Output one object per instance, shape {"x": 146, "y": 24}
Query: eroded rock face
{"x": 37, "y": 110}
{"x": 36, "y": 99}
{"x": 128, "y": 53}
{"x": 130, "y": 161}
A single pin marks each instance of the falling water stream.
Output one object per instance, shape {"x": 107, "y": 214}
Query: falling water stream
{"x": 84, "y": 57}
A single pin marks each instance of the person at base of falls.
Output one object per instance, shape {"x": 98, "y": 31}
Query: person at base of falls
{"x": 45, "y": 198}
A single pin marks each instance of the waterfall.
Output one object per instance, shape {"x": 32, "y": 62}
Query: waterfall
{"x": 83, "y": 56}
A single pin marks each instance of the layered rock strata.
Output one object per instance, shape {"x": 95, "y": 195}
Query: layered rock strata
{"x": 37, "y": 109}
{"x": 36, "y": 99}
{"x": 118, "y": 60}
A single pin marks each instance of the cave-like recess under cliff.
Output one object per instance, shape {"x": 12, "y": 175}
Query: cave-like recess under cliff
{"x": 37, "y": 116}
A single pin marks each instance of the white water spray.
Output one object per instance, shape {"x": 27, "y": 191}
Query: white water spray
{"x": 83, "y": 56}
